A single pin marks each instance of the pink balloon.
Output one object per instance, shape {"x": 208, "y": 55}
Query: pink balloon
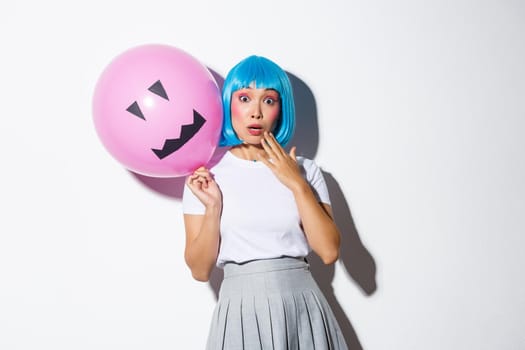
{"x": 158, "y": 111}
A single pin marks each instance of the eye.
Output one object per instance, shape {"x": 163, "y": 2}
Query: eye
{"x": 244, "y": 98}
{"x": 270, "y": 101}
{"x": 135, "y": 110}
{"x": 159, "y": 90}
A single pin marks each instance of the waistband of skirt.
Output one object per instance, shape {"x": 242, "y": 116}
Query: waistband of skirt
{"x": 232, "y": 269}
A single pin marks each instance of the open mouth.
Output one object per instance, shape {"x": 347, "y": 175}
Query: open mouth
{"x": 255, "y": 129}
{"x": 186, "y": 133}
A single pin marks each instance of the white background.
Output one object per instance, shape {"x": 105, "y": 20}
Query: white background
{"x": 414, "y": 109}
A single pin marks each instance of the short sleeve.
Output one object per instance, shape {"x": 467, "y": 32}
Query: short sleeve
{"x": 315, "y": 178}
{"x": 190, "y": 203}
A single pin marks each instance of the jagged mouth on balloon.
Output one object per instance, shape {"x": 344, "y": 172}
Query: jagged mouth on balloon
{"x": 186, "y": 133}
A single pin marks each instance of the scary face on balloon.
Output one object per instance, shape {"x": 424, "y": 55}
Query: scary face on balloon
{"x": 158, "y": 111}
{"x": 187, "y": 131}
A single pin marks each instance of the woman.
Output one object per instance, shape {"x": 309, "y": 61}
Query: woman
{"x": 257, "y": 213}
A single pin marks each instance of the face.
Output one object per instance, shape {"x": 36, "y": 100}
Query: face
{"x": 254, "y": 111}
{"x": 158, "y": 111}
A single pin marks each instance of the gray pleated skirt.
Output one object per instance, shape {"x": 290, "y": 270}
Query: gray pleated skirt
{"x": 272, "y": 304}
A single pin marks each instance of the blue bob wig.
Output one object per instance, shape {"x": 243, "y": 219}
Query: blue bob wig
{"x": 264, "y": 74}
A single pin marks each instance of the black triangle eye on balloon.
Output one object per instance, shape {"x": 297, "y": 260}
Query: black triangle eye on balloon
{"x": 157, "y": 89}
{"x": 135, "y": 110}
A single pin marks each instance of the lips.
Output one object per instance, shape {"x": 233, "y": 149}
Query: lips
{"x": 255, "y": 129}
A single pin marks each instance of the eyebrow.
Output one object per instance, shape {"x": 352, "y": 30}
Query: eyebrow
{"x": 250, "y": 88}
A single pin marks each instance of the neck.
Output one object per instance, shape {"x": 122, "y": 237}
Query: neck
{"x": 248, "y": 152}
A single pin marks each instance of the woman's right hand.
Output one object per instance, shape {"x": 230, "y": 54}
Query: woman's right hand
{"x": 203, "y": 231}
{"x": 204, "y": 187}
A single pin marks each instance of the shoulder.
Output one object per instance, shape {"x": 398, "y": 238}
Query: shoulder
{"x": 315, "y": 177}
{"x": 306, "y": 163}
{"x": 310, "y": 169}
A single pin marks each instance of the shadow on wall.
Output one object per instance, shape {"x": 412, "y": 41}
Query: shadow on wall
{"x": 356, "y": 259}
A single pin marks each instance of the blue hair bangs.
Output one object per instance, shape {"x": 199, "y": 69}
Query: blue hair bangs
{"x": 254, "y": 73}
{"x": 261, "y": 73}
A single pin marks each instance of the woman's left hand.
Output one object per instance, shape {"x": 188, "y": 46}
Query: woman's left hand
{"x": 283, "y": 165}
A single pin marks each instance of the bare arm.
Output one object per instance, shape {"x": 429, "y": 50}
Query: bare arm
{"x": 202, "y": 231}
{"x": 319, "y": 227}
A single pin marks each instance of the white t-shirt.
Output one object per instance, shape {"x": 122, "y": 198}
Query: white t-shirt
{"x": 259, "y": 215}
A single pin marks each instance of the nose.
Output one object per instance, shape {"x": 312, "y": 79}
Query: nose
{"x": 257, "y": 112}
